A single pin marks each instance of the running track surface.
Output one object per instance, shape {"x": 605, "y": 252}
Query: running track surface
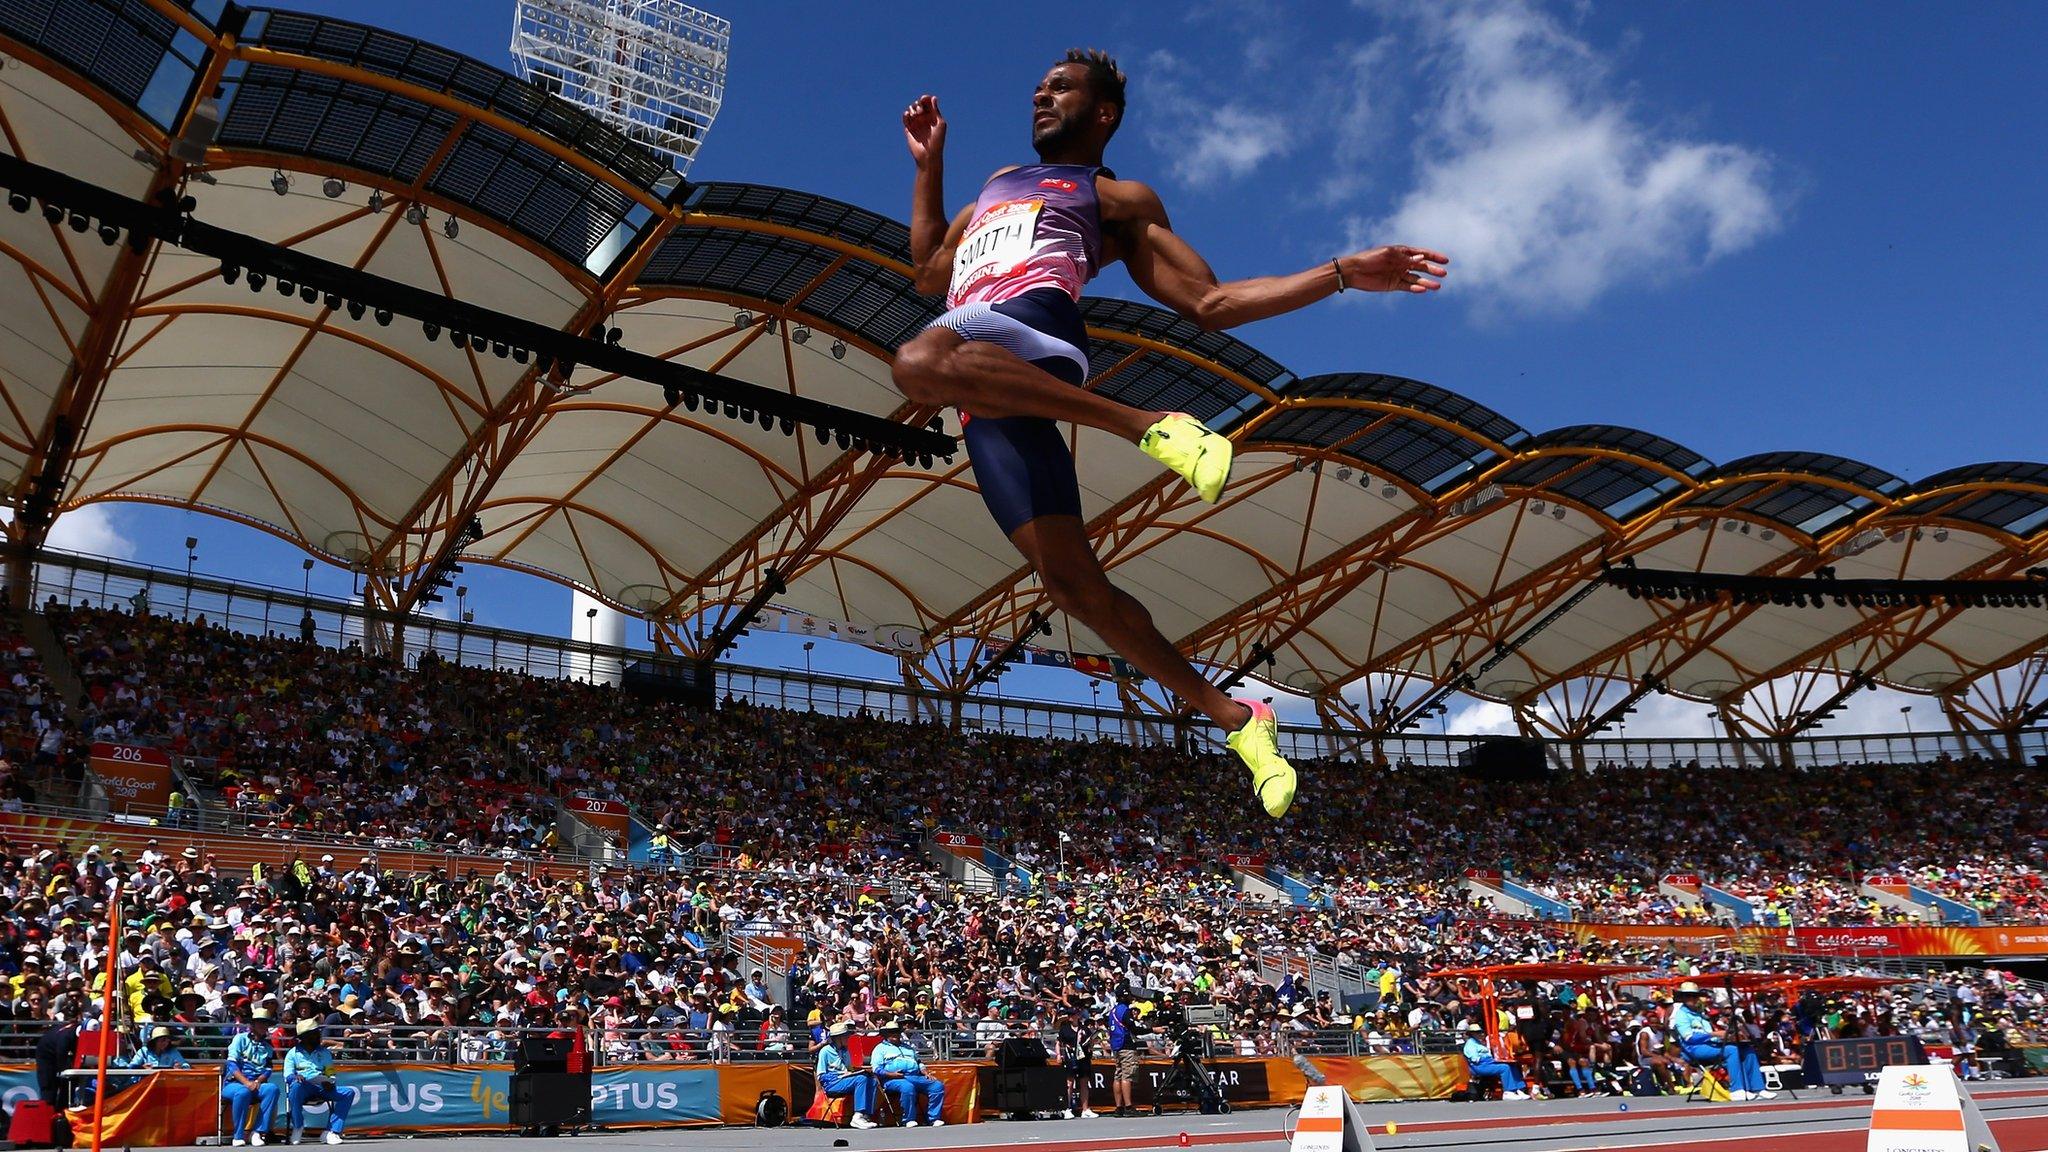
{"x": 1819, "y": 1122}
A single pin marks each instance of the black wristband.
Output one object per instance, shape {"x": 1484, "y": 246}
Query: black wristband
{"x": 1339, "y": 270}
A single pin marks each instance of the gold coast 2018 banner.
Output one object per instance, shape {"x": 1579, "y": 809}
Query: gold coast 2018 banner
{"x": 2010, "y": 941}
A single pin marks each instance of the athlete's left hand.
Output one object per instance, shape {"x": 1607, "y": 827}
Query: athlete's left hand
{"x": 1394, "y": 268}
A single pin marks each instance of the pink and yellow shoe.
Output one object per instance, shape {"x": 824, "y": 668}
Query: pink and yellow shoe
{"x": 1258, "y": 745}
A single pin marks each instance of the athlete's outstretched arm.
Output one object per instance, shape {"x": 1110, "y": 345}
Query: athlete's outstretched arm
{"x": 932, "y": 241}
{"x": 1173, "y": 273}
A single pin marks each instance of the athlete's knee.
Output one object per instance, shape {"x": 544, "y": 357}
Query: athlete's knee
{"x": 921, "y": 370}
{"x": 1086, "y": 596}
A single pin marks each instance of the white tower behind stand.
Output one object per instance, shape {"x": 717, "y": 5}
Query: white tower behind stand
{"x": 653, "y": 69}
{"x": 608, "y": 627}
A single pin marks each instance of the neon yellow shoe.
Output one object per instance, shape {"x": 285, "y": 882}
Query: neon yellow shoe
{"x": 1197, "y": 455}
{"x": 1258, "y": 745}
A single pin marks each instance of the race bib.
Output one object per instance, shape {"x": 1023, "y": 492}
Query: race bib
{"x": 997, "y": 245}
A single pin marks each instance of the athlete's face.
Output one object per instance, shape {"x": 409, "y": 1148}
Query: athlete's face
{"x": 1063, "y": 109}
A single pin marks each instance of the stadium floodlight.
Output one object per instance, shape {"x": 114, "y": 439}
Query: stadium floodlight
{"x": 653, "y": 69}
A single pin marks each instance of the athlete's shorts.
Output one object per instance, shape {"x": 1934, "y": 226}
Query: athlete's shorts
{"x": 1022, "y": 462}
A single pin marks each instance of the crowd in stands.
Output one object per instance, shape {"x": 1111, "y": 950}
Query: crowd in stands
{"x": 816, "y": 826}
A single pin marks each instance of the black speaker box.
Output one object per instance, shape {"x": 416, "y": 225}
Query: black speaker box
{"x": 542, "y": 1054}
{"x": 540, "y": 1099}
{"x": 1504, "y": 759}
{"x": 1030, "y": 1090}
{"x": 1022, "y": 1052}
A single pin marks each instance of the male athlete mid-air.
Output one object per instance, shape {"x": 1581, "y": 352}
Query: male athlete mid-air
{"x": 1011, "y": 354}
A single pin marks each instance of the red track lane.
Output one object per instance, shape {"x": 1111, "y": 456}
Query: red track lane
{"x": 2026, "y": 1134}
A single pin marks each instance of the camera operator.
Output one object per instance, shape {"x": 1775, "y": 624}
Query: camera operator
{"x": 1124, "y": 1030}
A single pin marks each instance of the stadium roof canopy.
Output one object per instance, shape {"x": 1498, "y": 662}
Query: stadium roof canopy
{"x": 1377, "y": 527}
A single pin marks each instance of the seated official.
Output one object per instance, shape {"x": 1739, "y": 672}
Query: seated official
{"x": 902, "y": 1075}
{"x": 160, "y": 1052}
{"x": 1484, "y": 1063}
{"x": 246, "y": 1081}
{"x": 306, "y": 1081}
{"x": 837, "y": 1077}
{"x": 1703, "y": 1044}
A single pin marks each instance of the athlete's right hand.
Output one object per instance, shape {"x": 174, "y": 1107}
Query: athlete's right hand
{"x": 924, "y": 129}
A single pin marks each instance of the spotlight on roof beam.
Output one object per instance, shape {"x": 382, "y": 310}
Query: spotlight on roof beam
{"x": 52, "y": 213}
{"x": 1536, "y": 507}
{"x": 286, "y": 287}
{"x": 80, "y": 222}
{"x": 839, "y": 349}
{"x": 1557, "y": 511}
{"x": 415, "y": 215}
{"x": 332, "y": 300}
{"x": 383, "y": 317}
{"x": 355, "y": 309}
{"x": 1768, "y": 534}
{"x": 1940, "y": 535}
{"x": 257, "y": 280}
{"x": 742, "y": 320}
{"x": 308, "y": 293}
{"x": 1862, "y": 542}
{"x": 432, "y": 329}
{"x": 376, "y": 200}
{"x": 1343, "y": 475}
{"x": 1727, "y": 525}
{"x": 451, "y": 227}
{"x": 109, "y": 235}
{"x": 691, "y": 400}
{"x": 229, "y": 273}
{"x": 614, "y": 336}
{"x": 671, "y": 395}
{"x": 802, "y": 335}
{"x": 1390, "y": 491}
{"x": 333, "y": 186}
{"x": 519, "y": 355}
{"x": 280, "y": 183}
{"x": 17, "y": 201}
{"x": 1492, "y": 494}
{"x": 500, "y": 349}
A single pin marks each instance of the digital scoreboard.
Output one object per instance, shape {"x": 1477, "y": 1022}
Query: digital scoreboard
{"x": 1857, "y": 1062}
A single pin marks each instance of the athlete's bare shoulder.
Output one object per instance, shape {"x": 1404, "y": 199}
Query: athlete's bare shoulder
{"x": 1125, "y": 206}
{"x": 1127, "y": 201}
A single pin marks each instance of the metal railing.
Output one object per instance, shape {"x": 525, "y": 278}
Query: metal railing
{"x": 265, "y": 610}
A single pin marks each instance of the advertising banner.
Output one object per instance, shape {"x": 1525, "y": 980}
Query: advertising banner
{"x": 419, "y": 1096}
{"x": 136, "y": 779}
{"x": 1913, "y": 940}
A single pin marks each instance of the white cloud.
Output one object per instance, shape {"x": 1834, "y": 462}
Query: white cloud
{"x": 1546, "y": 187}
{"x": 1205, "y": 141}
{"x": 92, "y": 529}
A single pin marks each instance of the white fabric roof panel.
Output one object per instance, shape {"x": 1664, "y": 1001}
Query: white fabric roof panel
{"x": 361, "y": 435}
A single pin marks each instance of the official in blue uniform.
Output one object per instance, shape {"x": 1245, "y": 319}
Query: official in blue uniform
{"x": 1703, "y": 1044}
{"x": 838, "y": 1077}
{"x": 1485, "y": 1063}
{"x": 307, "y": 1081}
{"x": 902, "y": 1075}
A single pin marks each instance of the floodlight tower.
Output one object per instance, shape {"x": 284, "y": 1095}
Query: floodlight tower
{"x": 653, "y": 69}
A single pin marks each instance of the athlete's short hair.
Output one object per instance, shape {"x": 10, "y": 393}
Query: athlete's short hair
{"x": 1105, "y": 79}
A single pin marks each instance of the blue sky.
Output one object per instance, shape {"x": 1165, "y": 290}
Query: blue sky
{"x": 1743, "y": 226}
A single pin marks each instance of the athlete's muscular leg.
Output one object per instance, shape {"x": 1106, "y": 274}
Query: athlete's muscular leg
{"x": 1057, "y": 549}
{"x": 941, "y": 368}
